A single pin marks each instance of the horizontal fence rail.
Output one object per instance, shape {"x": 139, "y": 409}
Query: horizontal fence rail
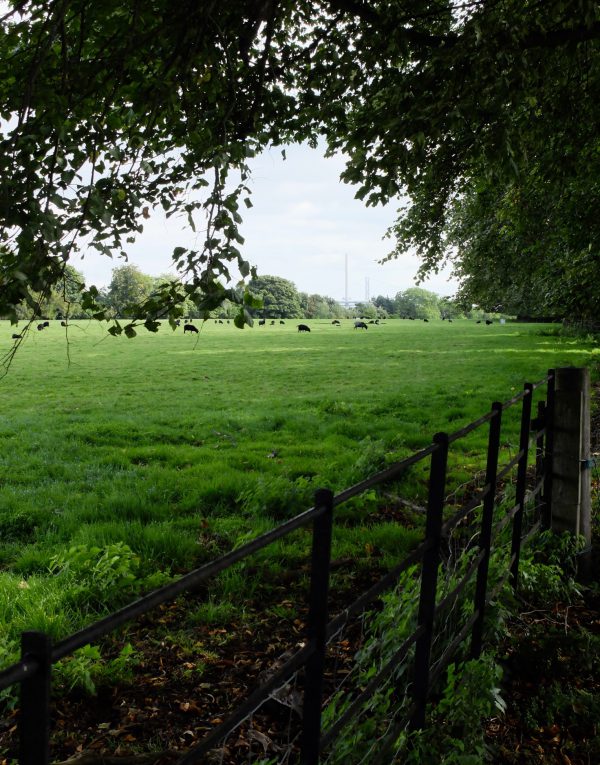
{"x": 33, "y": 672}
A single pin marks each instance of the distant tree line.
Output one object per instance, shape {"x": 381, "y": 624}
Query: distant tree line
{"x": 278, "y": 297}
{"x": 416, "y": 303}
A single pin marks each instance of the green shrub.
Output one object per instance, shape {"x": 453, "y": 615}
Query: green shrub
{"x": 86, "y": 669}
{"x": 454, "y": 734}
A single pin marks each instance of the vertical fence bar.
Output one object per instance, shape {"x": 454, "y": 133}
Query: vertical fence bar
{"x": 429, "y": 573}
{"x": 487, "y": 519}
{"x": 548, "y": 452}
{"x": 317, "y": 628}
{"x": 540, "y": 462}
{"x": 34, "y": 721}
{"x": 521, "y": 484}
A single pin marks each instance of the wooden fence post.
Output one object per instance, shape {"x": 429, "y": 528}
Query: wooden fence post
{"x": 571, "y": 495}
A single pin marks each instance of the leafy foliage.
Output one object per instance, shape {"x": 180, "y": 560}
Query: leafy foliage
{"x": 128, "y": 288}
{"x": 86, "y": 669}
{"x": 278, "y": 298}
{"x": 417, "y": 303}
{"x": 111, "y": 110}
{"x": 455, "y": 734}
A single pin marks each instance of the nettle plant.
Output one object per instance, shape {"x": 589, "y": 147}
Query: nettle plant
{"x": 468, "y": 693}
{"x": 470, "y": 690}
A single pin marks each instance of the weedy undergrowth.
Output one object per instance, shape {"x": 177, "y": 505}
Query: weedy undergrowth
{"x": 470, "y": 689}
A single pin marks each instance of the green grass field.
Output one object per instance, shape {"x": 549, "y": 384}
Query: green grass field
{"x": 182, "y": 446}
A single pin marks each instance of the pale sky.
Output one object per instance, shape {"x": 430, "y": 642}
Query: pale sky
{"x": 303, "y": 223}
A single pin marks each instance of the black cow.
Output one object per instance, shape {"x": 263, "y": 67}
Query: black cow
{"x": 16, "y": 337}
{"x": 281, "y": 321}
{"x": 189, "y": 328}
{"x": 40, "y": 327}
{"x": 220, "y": 321}
{"x": 272, "y": 322}
{"x": 46, "y": 324}
{"x": 479, "y": 321}
{"x": 426, "y": 320}
{"x": 360, "y": 325}
{"x": 63, "y": 324}
{"x": 336, "y": 322}
{"x": 489, "y": 321}
{"x": 262, "y": 322}
{"x": 303, "y": 328}
{"x": 178, "y": 323}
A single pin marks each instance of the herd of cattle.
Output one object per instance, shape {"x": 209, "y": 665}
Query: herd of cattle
{"x": 192, "y": 329}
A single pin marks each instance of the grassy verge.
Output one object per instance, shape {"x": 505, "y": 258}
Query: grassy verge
{"x": 141, "y": 459}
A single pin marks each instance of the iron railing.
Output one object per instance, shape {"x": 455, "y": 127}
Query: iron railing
{"x": 34, "y": 669}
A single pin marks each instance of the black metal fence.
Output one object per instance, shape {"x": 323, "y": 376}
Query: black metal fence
{"x": 34, "y": 670}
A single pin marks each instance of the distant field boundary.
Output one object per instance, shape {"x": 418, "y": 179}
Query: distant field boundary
{"x": 529, "y": 514}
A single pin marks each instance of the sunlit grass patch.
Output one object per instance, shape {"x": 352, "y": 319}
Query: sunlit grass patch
{"x": 183, "y": 450}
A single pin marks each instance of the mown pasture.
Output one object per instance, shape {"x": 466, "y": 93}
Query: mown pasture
{"x": 180, "y": 447}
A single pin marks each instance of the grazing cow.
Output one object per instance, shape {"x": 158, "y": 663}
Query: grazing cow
{"x": 360, "y": 325}
{"x": 489, "y": 321}
{"x": 281, "y": 321}
{"x": 228, "y": 321}
{"x": 336, "y": 322}
{"x": 220, "y": 321}
{"x": 376, "y": 321}
{"x": 426, "y": 320}
{"x": 46, "y": 324}
{"x": 63, "y": 324}
{"x": 189, "y": 328}
{"x": 16, "y": 337}
{"x": 262, "y": 322}
{"x": 478, "y": 321}
{"x": 272, "y": 322}
{"x": 178, "y": 323}
{"x": 40, "y": 327}
{"x": 216, "y": 322}
{"x": 303, "y": 328}
{"x": 371, "y": 321}
{"x": 449, "y": 321}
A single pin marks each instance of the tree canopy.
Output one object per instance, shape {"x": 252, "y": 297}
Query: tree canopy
{"x": 128, "y": 288}
{"x": 279, "y": 297}
{"x": 417, "y": 303}
{"x": 112, "y": 108}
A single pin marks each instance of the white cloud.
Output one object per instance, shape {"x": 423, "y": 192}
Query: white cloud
{"x": 303, "y": 223}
